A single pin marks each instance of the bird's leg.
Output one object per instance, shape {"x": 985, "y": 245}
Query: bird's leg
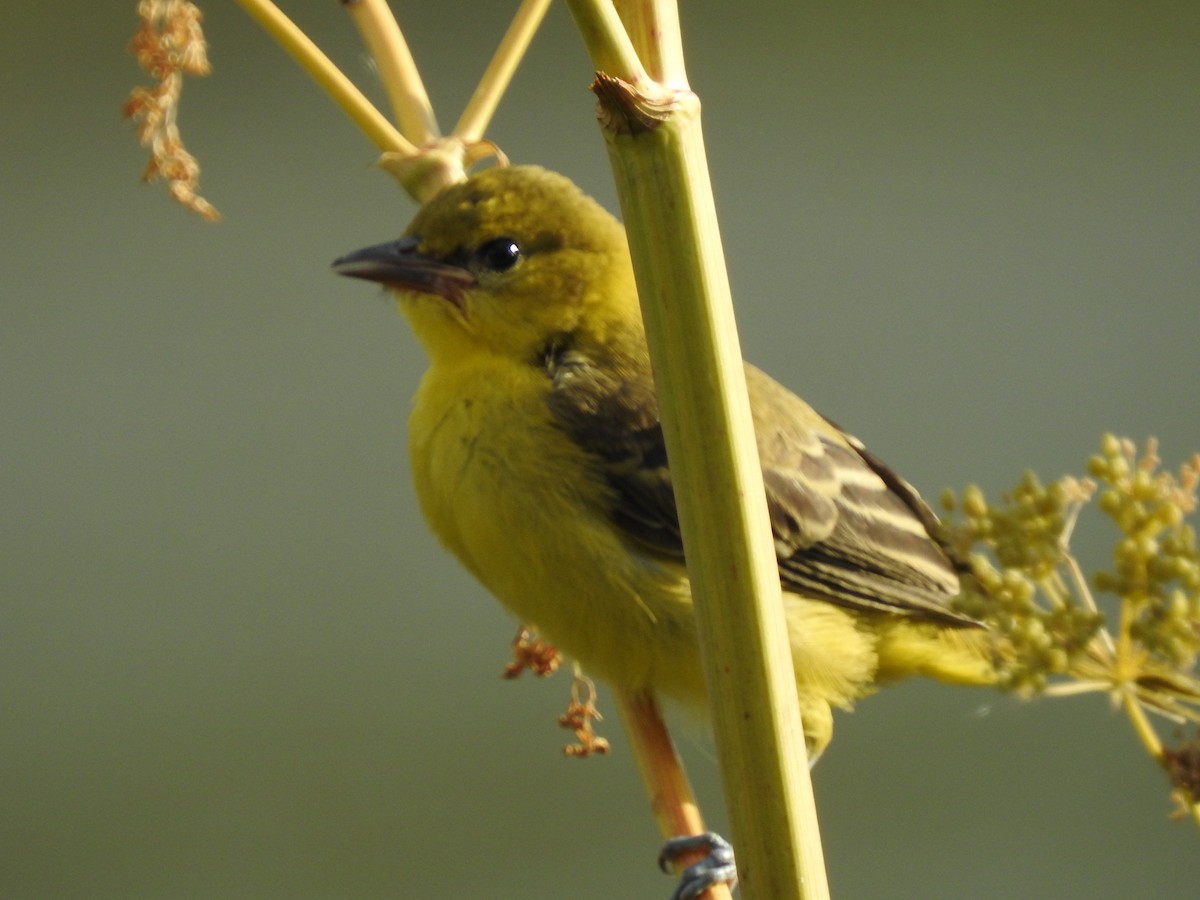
{"x": 672, "y": 802}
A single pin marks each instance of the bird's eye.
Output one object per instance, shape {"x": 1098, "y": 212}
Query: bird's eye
{"x": 498, "y": 255}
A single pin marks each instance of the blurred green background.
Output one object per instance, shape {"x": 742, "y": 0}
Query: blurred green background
{"x": 233, "y": 664}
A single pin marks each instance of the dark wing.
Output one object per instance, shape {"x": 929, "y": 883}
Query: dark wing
{"x": 847, "y": 529}
{"x": 611, "y": 411}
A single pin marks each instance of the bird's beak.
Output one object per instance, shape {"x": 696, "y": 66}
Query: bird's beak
{"x": 397, "y": 264}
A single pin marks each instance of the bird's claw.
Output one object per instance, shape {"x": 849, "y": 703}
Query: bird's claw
{"x": 718, "y": 866}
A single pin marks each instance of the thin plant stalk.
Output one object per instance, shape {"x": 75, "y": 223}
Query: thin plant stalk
{"x": 369, "y": 120}
{"x": 1150, "y": 740}
{"x": 653, "y": 29}
{"x": 397, "y": 69}
{"x": 480, "y": 108}
{"x": 609, "y": 44}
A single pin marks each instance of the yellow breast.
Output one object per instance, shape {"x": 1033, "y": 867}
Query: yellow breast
{"x": 525, "y": 511}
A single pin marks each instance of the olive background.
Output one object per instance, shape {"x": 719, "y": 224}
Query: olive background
{"x": 233, "y": 662}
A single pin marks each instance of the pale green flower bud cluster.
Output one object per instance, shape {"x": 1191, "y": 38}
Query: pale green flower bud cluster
{"x": 1051, "y": 637}
{"x": 1017, "y": 550}
{"x": 1156, "y": 566}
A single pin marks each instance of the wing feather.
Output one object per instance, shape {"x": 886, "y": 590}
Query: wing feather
{"x": 847, "y": 529}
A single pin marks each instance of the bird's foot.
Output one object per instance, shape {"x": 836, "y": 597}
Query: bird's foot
{"x": 718, "y": 866}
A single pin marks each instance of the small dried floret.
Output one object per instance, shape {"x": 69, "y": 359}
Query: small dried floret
{"x": 532, "y": 653}
{"x": 581, "y": 713}
{"x": 1183, "y": 767}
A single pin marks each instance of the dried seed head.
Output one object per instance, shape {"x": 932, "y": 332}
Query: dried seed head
{"x": 168, "y": 44}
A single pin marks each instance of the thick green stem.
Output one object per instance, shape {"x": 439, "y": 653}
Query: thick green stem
{"x": 657, "y": 153}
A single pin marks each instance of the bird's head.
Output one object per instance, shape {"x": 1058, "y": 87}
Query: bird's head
{"x": 507, "y": 262}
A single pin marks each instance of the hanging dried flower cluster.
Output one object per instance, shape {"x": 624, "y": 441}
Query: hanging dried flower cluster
{"x": 168, "y": 45}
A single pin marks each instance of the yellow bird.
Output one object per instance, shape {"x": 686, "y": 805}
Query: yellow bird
{"x": 539, "y": 462}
